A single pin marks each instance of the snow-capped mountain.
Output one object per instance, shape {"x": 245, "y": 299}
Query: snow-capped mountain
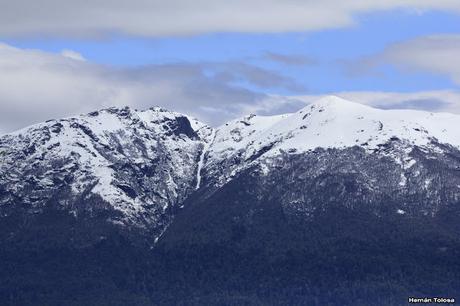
{"x": 330, "y": 122}
{"x": 140, "y": 163}
{"x": 144, "y": 164}
{"x": 333, "y": 122}
{"x": 155, "y": 206}
{"x": 336, "y": 204}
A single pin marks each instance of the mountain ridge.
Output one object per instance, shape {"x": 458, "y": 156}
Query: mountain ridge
{"x": 115, "y": 153}
{"x": 117, "y": 145}
{"x": 125, "y": 207}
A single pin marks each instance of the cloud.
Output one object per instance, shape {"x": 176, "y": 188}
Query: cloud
{"x": 154, "y": 18}
{"x": 290, "y": 60}
{"x": 240, "y": 72}
{"x": 73, "y": 55}
{"x": 436, "y": 54}
{"x": 36, "y": 86}
{"x": 427, "y": 104}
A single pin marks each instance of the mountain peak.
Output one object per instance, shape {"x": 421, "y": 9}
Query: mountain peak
{"x": 332, "y": 99}
{"x": 332, "y": 102}
{"x": 332, "y": 122}
{"x": 126, "y": 111}
{"x": 114, "y": 154}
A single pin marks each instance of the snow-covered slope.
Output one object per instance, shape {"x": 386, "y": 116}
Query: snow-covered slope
{"x": 330, "y": 122}
{"x": 144, "y": 164}
{"x": 139, "y": 162}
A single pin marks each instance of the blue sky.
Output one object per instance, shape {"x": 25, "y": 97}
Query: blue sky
{"x": 327, "y": 49}
{"x": 369, "y": 54}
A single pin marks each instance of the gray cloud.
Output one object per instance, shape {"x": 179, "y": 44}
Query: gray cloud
{"x": 275, "y": 105}
{"x": 237, "y": 72}
{"x": 434, "y": 104}
{"x": 290, "y": 60}
{"x": 36, "y": 86}
{"x": 184, "y": 17}
{"x": 436, "y": 54}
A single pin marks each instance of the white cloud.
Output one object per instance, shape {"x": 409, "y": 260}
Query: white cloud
{"x": 36, "y": 86}
{"x": 184, "y": 17}
{"x": 72, "y": 54}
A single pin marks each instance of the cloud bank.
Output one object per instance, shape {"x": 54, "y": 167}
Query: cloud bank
{"x": 36, "y": 86}
{"x": 155, "y": 18}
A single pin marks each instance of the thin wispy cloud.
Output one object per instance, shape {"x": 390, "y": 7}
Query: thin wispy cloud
{"x": 72, "y": 54}
{"x": 290, "y": 59}
{"x": 437, "y": 54}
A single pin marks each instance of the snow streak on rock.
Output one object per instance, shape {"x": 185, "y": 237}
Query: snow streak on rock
{"x": 206, "y": 147}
